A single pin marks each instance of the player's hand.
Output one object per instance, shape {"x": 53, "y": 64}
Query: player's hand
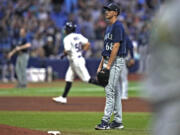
{"x": 130, "y": 62}
{"x": 98, "y": 70}
{"x": 17, "y": 48}
{"x": 10, "y": 55}
{"x": 106, "y": 71}
{"x": 108, "y": 67}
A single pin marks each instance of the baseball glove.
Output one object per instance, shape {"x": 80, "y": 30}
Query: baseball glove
{"x": 61, "y": 56}
{"x": 103, "y": 77}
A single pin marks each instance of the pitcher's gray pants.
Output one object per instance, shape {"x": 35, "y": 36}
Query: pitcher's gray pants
{"x": 113, "y": 91}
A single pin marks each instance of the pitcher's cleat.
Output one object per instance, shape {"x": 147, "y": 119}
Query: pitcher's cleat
{"x": 116, "y": 125}
{"x": 102, "y": 126}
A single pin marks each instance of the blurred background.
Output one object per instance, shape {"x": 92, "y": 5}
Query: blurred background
{"x": 45, "y": 19}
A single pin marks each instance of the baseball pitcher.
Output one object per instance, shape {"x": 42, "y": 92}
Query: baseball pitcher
{"x": 112, "y": 64}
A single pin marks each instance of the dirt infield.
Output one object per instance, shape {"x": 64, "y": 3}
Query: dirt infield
{"x": 90, "y": 104}
{"x": 10, "y": 130}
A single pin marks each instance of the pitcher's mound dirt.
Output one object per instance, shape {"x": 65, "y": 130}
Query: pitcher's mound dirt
{"x": 10, "y": 130}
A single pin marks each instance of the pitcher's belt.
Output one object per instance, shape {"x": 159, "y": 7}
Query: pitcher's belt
{"x": 107, "y": 57}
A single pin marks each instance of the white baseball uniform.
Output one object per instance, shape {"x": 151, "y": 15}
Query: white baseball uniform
{"x": 73, "y": 44}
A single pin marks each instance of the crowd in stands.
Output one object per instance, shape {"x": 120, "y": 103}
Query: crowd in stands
{"x": 45, "y": 19}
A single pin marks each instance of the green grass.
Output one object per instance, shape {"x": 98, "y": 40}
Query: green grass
{"x": 71, "y": 123}
{"x": 56, "y": 88}
{"x": 75, "y": 123}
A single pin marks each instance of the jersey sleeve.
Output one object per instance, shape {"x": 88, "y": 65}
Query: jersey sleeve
{"x": 83, "y": 39}
{"x": 67, "y": 44}
{"x": 117, "y": 33}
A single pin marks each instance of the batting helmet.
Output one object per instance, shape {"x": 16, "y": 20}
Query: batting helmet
{"x": 70, "y": 27}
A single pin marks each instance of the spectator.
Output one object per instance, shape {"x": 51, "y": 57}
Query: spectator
{"x": 7, "y": 69}
{"x": 49, "y": 47}
{"x": 40, "y": 17}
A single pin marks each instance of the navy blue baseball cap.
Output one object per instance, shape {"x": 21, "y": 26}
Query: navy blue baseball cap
{"x": 112, "y": 7}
